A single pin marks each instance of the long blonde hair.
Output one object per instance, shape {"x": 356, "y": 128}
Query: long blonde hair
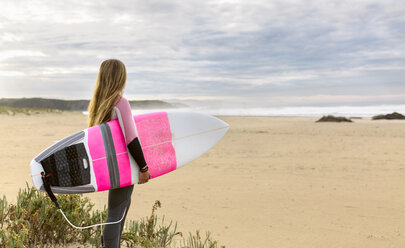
{"x": 109, "y": 86}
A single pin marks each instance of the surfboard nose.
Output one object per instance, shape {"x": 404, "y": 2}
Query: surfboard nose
{"x": 194, "y": 134}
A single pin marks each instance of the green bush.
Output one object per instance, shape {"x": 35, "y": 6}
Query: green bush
{"x": 147, "y": 232}
{"x": 34, "y": 221}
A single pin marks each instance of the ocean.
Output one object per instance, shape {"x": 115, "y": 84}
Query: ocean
{"x": 348, "y": 111}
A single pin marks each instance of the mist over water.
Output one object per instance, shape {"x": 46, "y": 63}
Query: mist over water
{"x": 226, "y": 109}
{"x": 266, "y": 107}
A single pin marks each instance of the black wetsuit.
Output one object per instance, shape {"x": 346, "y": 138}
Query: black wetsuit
{"x": 119, "y": 200}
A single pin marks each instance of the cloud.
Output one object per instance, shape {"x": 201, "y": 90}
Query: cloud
{"x": 8, "y": 54}
{"x": 248, "y": 50}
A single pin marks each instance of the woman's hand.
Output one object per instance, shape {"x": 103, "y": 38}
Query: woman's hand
{"x": 144, "y": 177}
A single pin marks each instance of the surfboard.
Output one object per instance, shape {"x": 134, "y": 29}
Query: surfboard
{"x": 97, "y": 159}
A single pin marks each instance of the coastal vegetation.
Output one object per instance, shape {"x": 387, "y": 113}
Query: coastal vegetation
{"x": 331, "y": 118}
{"x": 33, "y": 221}
{"x": 6, "y": 110}
{"x": 393, "y": 116}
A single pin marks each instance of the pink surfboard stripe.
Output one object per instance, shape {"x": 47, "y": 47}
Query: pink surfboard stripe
{"x": 102, "y": 175}
{"x": 124, "y": 166}
{"x": 156, "y": 140}
{"x": 97, "y": 153}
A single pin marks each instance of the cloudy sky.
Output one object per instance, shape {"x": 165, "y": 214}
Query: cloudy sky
{"x": 250, "y": 52}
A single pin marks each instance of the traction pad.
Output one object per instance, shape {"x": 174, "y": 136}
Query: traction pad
{"x": 68, "y": 167}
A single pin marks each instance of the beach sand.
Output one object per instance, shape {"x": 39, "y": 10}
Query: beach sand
{"x": 270, "y": 182}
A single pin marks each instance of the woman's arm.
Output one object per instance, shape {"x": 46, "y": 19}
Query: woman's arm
{"x": 128, "y": 126}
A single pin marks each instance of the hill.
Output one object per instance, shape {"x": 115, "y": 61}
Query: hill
{"x": 78, "y": 105}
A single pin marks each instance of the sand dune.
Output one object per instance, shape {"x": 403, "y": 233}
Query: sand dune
{"x": 271, "y": 182}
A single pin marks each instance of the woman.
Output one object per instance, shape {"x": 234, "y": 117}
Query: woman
{"x": 108, "y": 104}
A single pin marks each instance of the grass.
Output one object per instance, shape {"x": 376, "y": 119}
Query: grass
{"x": 6, "y": 110}
{"x": 33, "y": 221}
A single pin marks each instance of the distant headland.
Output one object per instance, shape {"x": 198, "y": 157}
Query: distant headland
{"x": 79, "y": 105}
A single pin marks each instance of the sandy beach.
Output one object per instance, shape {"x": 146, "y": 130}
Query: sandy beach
{"x": 270, "y": 182}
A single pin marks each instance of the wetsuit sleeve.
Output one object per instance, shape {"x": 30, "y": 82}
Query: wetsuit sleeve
{"x": 128, "y": 127}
